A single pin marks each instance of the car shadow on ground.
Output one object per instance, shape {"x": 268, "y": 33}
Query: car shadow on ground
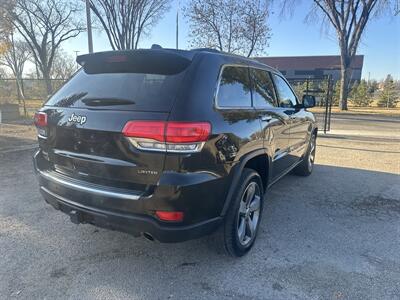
{"x": 332, "y": 234}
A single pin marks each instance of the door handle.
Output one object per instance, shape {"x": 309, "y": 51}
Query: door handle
{"x": 266, "y": 118}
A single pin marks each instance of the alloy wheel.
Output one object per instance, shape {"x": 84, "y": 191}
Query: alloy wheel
{"x": 249, "y": 214}
{"x": 311, "y": 156}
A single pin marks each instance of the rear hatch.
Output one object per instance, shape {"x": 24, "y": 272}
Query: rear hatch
{"x": 83, "y": 137}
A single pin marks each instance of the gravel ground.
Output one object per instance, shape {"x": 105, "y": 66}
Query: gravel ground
{"x": 17, "y": 135}
{"x": 333, "y": 235}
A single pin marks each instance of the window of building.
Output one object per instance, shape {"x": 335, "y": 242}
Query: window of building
{"x": 234, "y": 87}
{"x": 317, "y": 72}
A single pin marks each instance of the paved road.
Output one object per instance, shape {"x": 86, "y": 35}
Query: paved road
{"x": 333, "y": 235}
{"x": 364, "y": 124}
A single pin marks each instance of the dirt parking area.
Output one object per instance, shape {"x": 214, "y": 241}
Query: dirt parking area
{"x": 17, "y": 136}
{"x": 333, "y": 235}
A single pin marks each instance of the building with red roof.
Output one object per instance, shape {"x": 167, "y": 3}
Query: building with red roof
{"x": 318, "y": 67}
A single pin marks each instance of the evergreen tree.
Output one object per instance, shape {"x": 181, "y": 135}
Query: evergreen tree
{"x": 360, "y": 95}
{"x": 372, "y": 86}
{"x": 389, "y": 96}
{"x": 300, "y": 88}
{"x": 336, "y": 93}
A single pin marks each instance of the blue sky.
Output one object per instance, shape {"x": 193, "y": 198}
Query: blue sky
{"x": 290, "y": 36}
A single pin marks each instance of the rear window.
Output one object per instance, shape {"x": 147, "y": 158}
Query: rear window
{"x": 128, "y": 85}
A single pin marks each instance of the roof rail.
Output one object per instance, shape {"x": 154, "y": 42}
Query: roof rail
{"x": 207, "y": 50}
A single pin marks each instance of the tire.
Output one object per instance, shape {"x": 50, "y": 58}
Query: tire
{"x": 306, "y": 167}
{"x": 239, "y": 230}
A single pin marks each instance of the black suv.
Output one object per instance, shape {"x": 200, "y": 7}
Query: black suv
{"x": 172, "y": 144}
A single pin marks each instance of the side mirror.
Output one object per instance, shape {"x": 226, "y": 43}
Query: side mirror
{"x": 308, "y": 101}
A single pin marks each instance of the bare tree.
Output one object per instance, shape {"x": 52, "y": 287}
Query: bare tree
{"x": 64, "y": 66}
{"x": 255, "y": 30}
{"x": 232, "y": 26}
{"x": 5, "y": 25}
{"x": 3, "y": 73}
{"x": 396, "y": 7}
{"x": 45, "y": 25}
{"x": 213, "y": 24}
{"x": 349, "y": 19}
{"x": 126, "y": 21}
{"x": 15, "y": 57}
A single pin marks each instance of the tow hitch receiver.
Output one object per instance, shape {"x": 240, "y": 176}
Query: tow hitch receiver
{"x": 75, "y": 216}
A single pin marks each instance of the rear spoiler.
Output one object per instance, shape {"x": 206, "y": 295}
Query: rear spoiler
{"x": 149, "y": 61}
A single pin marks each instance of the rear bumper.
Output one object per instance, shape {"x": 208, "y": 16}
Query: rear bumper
{"x": 133, "y": 224}
{"x": 123, "y": 210}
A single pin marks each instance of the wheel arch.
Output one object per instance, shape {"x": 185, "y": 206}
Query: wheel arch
{"x": 254, "y": 160}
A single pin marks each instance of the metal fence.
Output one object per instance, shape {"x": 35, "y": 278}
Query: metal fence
{"x": 33, "y": 89}
{"x": 29, "y": 96}
{"x": 323, "y": 90}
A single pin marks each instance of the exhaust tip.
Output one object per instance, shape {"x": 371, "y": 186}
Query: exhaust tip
{"x": 148, "y": 236}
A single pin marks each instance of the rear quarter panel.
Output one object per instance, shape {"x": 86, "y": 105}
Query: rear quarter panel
{"x": 235, "y": 133}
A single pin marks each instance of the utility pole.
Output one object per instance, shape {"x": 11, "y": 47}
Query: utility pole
{"x": 89, "y": 27}
{"x": 177, "y": 25}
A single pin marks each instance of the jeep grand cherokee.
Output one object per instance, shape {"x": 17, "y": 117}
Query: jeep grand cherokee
{"x": 172, "y": 144}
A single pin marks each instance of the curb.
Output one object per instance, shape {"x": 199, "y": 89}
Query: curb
{"x": 389, "y": 139}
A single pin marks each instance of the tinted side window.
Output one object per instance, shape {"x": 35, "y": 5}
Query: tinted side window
{"x": 285, "y": 95}
{"x": 263, "y": 89}
{"x": 234, "y": 87}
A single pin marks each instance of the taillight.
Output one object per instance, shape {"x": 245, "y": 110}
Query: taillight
{"x": 171, "y": 216}
{"x": 187, "y": 132}
{"x": 153, "y": 130}
{"x": 40, "y": 120}
{"x": 116, "y": 59}
{"x": 184, "y": 137}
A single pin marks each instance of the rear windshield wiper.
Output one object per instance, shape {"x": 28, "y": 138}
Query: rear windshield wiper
{"x": 107, "y": 101}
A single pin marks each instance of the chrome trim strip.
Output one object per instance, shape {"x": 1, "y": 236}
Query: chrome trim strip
{"x": 82, "y": 188}
{"x": 280, "y": 155}
{"x": 93, "y": 158}
{"x": 135, "y": 142}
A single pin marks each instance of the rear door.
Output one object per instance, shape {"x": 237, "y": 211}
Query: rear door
{"x": 241, "y": 126}
{"x": 297, "y": 119}
{"x": 86, "y": 118}
{"x": 274, "y": 121}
